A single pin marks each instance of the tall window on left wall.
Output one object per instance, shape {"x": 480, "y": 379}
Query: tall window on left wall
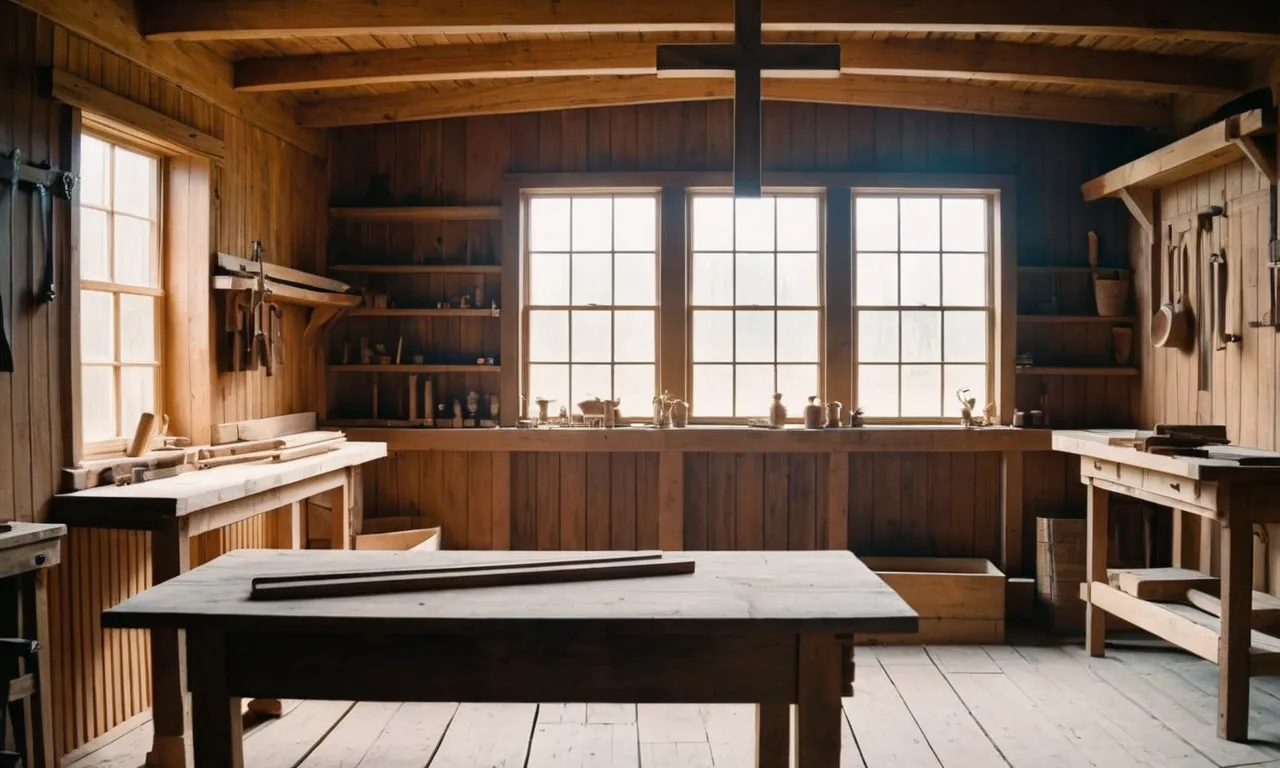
{"x": 120, "y": 291}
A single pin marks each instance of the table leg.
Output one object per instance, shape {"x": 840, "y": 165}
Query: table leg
{"x": 215, "y": 715}
{"x": 289, "y": 536}
{"x": 170, "y": 556}
{"x": 1233, "y": 644}
{"x": 818, "y": 714}
{"x": 340, "y": 515}
{"x": 1095, "y": 619}
{"x": 773, "y": 735}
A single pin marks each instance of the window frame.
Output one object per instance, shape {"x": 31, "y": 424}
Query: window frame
{"x": 992, "y": 363}
{"x": 527, "y": 306}
{"x": 794, "y": 415}
{"x": 118, "y": 445}
{"x": 839, "y": 379}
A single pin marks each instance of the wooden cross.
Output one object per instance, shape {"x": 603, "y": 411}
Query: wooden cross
{"x": 746, "y": 60}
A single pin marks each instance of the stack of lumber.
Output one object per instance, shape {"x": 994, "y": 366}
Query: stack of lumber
{"x": 1193, "y": 595}
{"x": 284, "y": 448}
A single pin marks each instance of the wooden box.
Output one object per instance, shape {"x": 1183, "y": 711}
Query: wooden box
{"x": 398, "y": 533}
{"x": 959, "y": 599}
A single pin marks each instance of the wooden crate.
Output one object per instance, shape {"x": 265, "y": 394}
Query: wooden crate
{"x": 398, "y": 533}
{"x": 959, "y": 599}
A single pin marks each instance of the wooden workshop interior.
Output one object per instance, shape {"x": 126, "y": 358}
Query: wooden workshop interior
{"x": 567, "y": 383}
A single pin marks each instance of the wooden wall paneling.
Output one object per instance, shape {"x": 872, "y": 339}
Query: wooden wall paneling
{"x": 9, "y": 237}
{"x": 886, "y": 533}
{"x": 719, "y": 134}
{"x": 749, "y": 495}
{"x": 622, "y": 526}
{"x": 599, "y": 153}
{"x": 831, "y": 142}
{"x": 986, "y": 506}
{"x": 696, "y": 501}
{"x": 501, "y": 526}
{"x": 647, "y": 500}
{"x": 480, "y": 500}
{"x": 963, "y": 492}
{"x": 599, "y": 520}
{"x": 573, "y": 501}
{"x": 861, "y": 502}
{"x": 938, "y": 519}
{"x": 834, "y": 533}
{"x": 524, "y": 525}
{"x": 671, "y": 480}
{"x": 802, "y": 497}
{"x": 548, "y": 500}
{"x": 777, "y": 501}
{"x": 721, "y": 501}
{"x": 624, "y": 127}
{"x": 408, "y": 486}
{"x": 915, "y": 501}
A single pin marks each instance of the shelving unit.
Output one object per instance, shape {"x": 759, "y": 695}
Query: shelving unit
{"x": 391, "y": 214}
{"x": 418, "y": 269}
{"x": 1073, "y": 370}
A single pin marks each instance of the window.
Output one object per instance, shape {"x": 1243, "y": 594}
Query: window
{"x": 591, "y": 299}
{"x": 120, "y": 295}
{"x": 755, "y": 303}
{"x": 924, "y": 314}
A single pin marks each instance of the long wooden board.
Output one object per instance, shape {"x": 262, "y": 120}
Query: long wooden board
{"x": 382, "y": 585}
{"x": 262, "y": 429}
{"x": 1160, "y": 583}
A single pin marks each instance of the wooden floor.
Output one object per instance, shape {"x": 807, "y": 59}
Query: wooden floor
{"x": 949, "y": 706}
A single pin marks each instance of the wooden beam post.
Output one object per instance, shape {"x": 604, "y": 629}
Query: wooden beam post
{"x": 510, "y": 392}
{"x": 1012, "y": 515}
{"x": 1098, "y": 523}
{"x": 838, "y": 274}
{"x": 1237, "y": 605}
{"x": 673, "y": 332}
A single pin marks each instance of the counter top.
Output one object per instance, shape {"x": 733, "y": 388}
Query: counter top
{"x": 712, "y": 439}
{"x": 1094, "y": 444}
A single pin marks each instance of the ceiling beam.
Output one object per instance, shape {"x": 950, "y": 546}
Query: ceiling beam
{"x": 910, "y": 58}
{"x": 500, "y": 97}
{"x": 1225, "y": 20}
{"x": 113, "y": 25}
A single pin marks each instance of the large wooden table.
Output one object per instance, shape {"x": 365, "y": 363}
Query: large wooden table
{"x": 177, "y": 508}
{"x": 1220, "y": 492}
{"x": 770, "y": 628}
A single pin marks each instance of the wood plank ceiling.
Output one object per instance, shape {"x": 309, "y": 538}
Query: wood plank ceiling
{"x": 1098, "y": 61}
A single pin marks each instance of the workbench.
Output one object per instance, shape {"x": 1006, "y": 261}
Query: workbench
{"x": 176, "y": 508}
{"x": 770, "y": 628}
{"x": 1236, "y": 497}
{"x": 27, "y": 552}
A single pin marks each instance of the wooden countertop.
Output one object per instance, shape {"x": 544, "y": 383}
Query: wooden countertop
{"x": 729, "y": 591}
{"x": 30, "y": 533}
{"x": 718, "y": 439}
{"x": 195, "y": 491}
{"x": 1093, "y": 443}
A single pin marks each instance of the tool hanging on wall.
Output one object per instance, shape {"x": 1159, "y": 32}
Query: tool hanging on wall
{"x": 1220, "y": 276}
{"x": 1207, "y": 309}
{"x": 1273, "y": 269}
{"x": 47, "y": 182}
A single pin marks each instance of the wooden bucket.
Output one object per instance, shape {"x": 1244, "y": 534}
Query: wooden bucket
{"x": 1112, "y": 296}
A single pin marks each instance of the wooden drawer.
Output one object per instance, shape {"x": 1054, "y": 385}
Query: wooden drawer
{"x": 1111, "y": 470}
{"x": 1191, "y": 491}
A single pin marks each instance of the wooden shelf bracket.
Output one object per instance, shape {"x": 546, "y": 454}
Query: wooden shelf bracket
{"x": 1141, "y": 204}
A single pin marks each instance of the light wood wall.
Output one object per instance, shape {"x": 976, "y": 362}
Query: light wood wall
{"x": 1242, "y": 390}
{"x": 267, "y": 190}
{"x": 900, "y": 503}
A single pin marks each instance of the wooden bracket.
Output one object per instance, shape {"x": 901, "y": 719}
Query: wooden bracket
{"x": 1261, "y": 155}
{"x": 319, "y": 318}
{"x": 1141, "y": 203}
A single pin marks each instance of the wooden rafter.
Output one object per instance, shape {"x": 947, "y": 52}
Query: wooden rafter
{"x": 113, "y": 25}
{"x": 509, "y": 96}
{"x": 921, "y": 58}
{"x": 1226, "y": 20}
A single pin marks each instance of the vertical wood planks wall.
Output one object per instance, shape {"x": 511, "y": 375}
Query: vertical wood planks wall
{"x": 945, "y": 504}
{"x": 265, "y": 190}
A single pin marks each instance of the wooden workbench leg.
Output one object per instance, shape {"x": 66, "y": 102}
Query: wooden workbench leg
{"x": 818, "y": 715}
{"x": 1095, "y": 621}
{"x": 36, "y": 619}
{"x": 215, "y": 715}
{"x": 340, "y": 515}
{"x": 773, "y": 735}
{"x": 1233, "y": 644}
{"x": 170, "y": 556}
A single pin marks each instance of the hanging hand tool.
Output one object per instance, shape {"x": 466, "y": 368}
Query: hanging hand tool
{"x": 1273, "y": 266}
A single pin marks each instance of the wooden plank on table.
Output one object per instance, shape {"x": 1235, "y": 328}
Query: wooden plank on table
{"x": 1160, "y": 583}
{"x": 596, "y": 558}
{"x": 262, "y": 429}
{"x": 1266, "y": 608}
{"x": 371, "y": 584}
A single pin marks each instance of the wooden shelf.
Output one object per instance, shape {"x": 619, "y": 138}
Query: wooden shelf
{"x": 418, "y": 269}
{"x": 374, "y": 368}
{"x": 371, "y": 312}
{"x": 286, "y": 294}
{"x": 1209, "y": 148}
{"x": 1068, "y": 319}
{"x": 1050, "y": 270}
{"x": 1072, "y": 370}
{"x": 389, "y": 214}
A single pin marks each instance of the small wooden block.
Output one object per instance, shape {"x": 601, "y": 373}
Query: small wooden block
{"x": 1163, "y": 584}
